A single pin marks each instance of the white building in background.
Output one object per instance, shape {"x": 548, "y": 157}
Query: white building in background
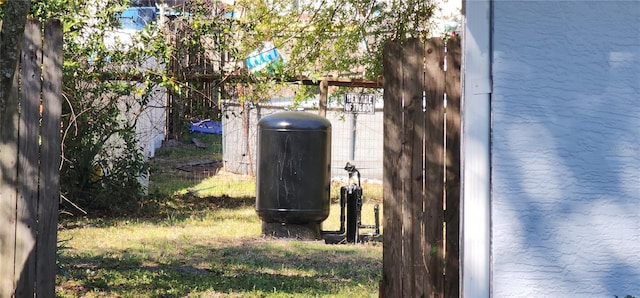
{"x": 151, "y": 118}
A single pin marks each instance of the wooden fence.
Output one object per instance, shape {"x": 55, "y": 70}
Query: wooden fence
{"x": 30, "y": 161}
{"x": 421, "y": 169}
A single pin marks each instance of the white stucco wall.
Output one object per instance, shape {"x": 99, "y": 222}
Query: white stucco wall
{"x": 565, "y": 149}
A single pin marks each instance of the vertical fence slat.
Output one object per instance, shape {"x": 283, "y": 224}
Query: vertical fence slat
{"x": 391, "y": 285}
{"x": 405, "y": 193}
{"x": 413, "y": 152}
{"x": 8, "y": 192}
{"x": 452, "y": 185}
{"x": 49, "y": 192}
{"x": 8, "y": 176}
{"x": 434, "y": 163}
{"x": 28, "y": 160}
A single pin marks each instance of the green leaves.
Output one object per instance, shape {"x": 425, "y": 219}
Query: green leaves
{"x": 105, "y": 73}
{"x": 104, "y": 95}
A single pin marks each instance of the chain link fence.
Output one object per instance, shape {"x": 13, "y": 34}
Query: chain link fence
{"x": 355, "y": 138}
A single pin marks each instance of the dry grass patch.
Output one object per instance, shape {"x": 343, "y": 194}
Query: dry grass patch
{"x": 200, "y": 237}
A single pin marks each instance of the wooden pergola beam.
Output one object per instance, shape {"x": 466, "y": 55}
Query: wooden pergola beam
{"x": 208, "y": 78}
{"x": 344, "y": 82}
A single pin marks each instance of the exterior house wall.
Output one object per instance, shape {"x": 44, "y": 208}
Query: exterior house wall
{"x": 565, "y": 158}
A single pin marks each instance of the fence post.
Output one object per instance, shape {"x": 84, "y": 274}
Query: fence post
{"x": 324, "y": 97}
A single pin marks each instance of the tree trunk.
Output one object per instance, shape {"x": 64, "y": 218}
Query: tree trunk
{"x": 11, "y": 38}
{"x": 11, "y": 35}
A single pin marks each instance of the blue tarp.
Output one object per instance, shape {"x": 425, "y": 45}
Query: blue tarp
{"x": 137, "y": 17}
{"x": 206, "y": 126}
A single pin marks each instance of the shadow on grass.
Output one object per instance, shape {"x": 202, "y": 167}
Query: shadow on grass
{"x": 254, "y": 268}
{"x": 164, "y": 211}
{"x": 206, "y": 267}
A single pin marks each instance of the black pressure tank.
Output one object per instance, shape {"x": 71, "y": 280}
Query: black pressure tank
{"x": 294, "y": 172}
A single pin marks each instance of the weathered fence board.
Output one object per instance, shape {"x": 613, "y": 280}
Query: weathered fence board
{"x": 8, "y": 164}
{"x": 30, "y": 161}
{"x": 414, "y": 129}
{"x": 49, "y": 195}
{"x": 420, "y": 243}
{"x": 452, "y": 175}
{"x": 434, "y": 164}
{"x": 391, "y": 284}
{"x": 27, "y": 185}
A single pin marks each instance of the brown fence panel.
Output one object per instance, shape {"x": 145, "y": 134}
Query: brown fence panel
{"x": 420, "y": 255}
{"x": 30, "y": 161}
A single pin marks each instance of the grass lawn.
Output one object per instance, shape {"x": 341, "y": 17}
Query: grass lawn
{"x": 200, "y": 237}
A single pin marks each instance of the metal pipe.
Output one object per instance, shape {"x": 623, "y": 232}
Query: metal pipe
{"x": 352, "y": 154}
{"x": 376, "y": 212}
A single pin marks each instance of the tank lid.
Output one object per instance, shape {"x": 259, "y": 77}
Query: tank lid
{"x": 294, "y": 120}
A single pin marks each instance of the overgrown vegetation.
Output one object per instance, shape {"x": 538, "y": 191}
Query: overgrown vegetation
{"x": 109, "y": 81}
{"x": 102, "y": 158}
